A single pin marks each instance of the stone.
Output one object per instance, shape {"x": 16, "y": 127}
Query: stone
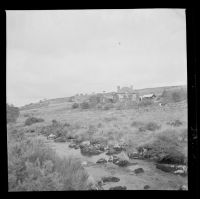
{"x": 146, "y": 187}
{"x": 110, "y": 179}
{"x": 166, "y": 167}
{"x": 84, "y": 163}
{"x": 118, "y": 188}
{"x": 139, "y": 170}
{"x": 134, "y": 155}
{"x": 112, "y": 151}
{"x": 183, "y": 187}
{"x": 122, "y": 163}
{"x": 101, "y": 161}
{"x": 60, "y": 139}
{"x": 90, "y": 150}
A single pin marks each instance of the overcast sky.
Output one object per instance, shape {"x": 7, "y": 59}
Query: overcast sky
{"x": 54, "y": 54}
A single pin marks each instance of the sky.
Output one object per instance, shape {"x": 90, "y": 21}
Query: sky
{"x": 60, "y": 53}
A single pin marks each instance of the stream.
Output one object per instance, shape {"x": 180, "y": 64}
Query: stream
{"x": 153, "y": 177}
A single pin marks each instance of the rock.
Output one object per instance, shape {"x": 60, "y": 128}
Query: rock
{"x": 122, "y": 163}
{"x": 117, "y": 147}
{"x": 110, "y": 179}
{"x": 72, "y": 145}
{"x": 183, "y": 187}
{"x": 84, "y": 163}
{"x": 101, "y": 161}
{"x": 118, "y": 188}
{"x": 112, "y": 151}
{"x": 51, "y": 136}
{"x": 134, "y": 155}
{"x": 60, "y": 139}
{"x": 85, "y": 143}
{"x": 166, "y": 167}
{"x": 146, "y": 187}
{"x": 139, "y": 170}
{"x": 90, "y": 150}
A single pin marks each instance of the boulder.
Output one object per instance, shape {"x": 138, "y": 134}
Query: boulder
{"x": 139, "y": 170}
{"x": 110, "y": 179}
{"x": 72, "y": 145}
{"x": 60, "y": 139}
{"x": 146, "y": 187}
{"x": 51, "y": 136}
{"x": 84, "y": 163}
{"x": 85, "y": 143}
{"x": 134, "y": 155}
{"x": 118, "y": 188}
{"x": 122, "y": 163}
{"x": 101, "y": 161}
{"x": 183, "y": 187}
{"x": 90, "y": 150}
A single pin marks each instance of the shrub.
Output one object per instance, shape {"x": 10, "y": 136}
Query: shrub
{"x": 137, "y": 124}
{"x": 75, "y": 105}
{"x": 32, "y": 166}
{"x": 12, "y": 113}
{"x": 152, "y": 126}
{"x": 165, "y": 148}
{"x": 145, "y": 103}
{"x": 108, "y": 106}
{"x": 175, "y": 123}
{"x": 85, "y": 105}
{"x": 31, "y": 120}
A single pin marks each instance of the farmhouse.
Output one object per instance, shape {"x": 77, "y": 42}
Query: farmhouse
{"x": 126, "y": 93}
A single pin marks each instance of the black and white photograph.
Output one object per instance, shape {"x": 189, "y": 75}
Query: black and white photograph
{"x": 96, "y": 99}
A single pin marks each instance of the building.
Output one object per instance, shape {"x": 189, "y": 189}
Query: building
{"x": 126, "y": 94}
{"x": 148, "y": 96}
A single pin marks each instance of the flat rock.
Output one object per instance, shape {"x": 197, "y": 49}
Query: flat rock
{"x": 146, "y": 187}
{"x": 118, "y": 188}
{"x": 101, "y": 161}
{"x": 110, "y": 179}
{"x": 139, "y": 170}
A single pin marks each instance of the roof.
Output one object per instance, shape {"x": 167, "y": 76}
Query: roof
{"x": 149, "y": 95}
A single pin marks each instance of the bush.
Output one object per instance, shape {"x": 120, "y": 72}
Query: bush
{"x": 174, "y": 95}
{"x": 85, "y": 105}
{"x": 32, "y": 166}
{"x": 108, "y": 106}
{"x": 56, "y": 128}
{"x": 12, "y": 113}
{"x": 175, "y": 123}
{"x": 31, "y": 120}
{"x": 165, "y": 148}
{"x": 145, "y": 103}
{"x": 75, "y": 105}
{"x": 152, "y": 126}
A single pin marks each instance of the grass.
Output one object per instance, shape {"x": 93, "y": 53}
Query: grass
{"x": 32, "y": 166}
{"x": 116, "y": 125}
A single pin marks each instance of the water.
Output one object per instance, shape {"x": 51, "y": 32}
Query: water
{"x": 155, "y": 178}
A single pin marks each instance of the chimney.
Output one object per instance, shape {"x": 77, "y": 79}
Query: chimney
{"x": 131, "y": 87}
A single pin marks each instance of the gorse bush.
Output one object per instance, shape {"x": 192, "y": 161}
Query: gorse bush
{"x": 31, "y": 120}
{"x": 75, "y": 105}
{"x": 12, "y": 113}
{"x": 32, "y": 166}
{"x": 165, "y": 148}
{"x": 85, "y": 105}
{"x": 145, "y": 103}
